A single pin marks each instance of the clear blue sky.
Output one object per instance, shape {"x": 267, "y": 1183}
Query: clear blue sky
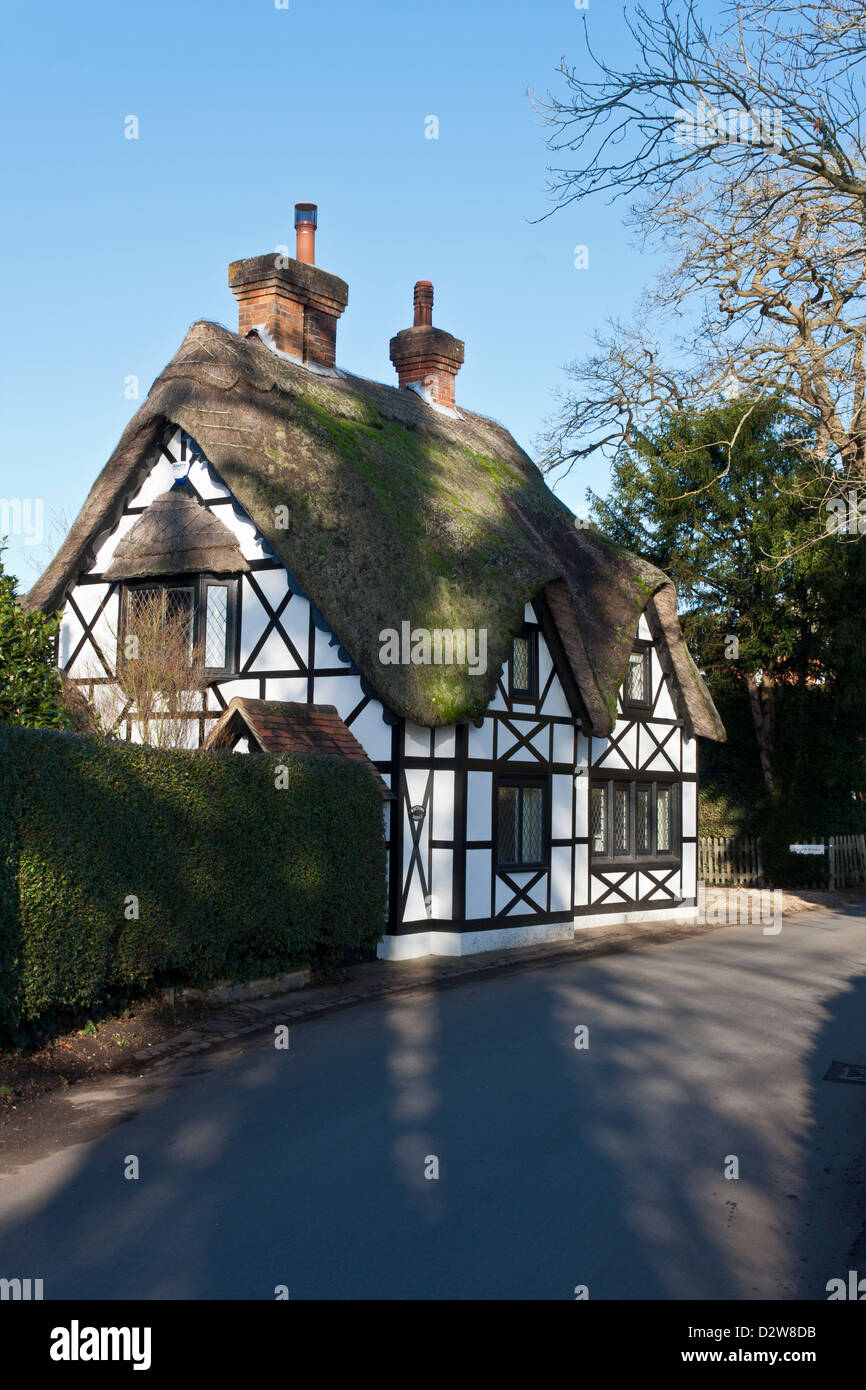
{"x": 112, "y": 247}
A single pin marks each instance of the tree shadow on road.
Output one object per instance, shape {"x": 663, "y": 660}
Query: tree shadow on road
{"x": 555, "y": 1167}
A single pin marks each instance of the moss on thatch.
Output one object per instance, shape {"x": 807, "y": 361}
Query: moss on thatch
{"x": 397, "y": 513}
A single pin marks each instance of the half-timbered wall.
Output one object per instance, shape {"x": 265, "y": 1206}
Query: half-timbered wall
{"x": 447, "y": 891}
{"x": 519, "y": 736}
{"x": 649, "y": 746}
{"x": 285, "y": 649}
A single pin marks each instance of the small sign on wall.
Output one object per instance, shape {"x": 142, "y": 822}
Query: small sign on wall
{"x": 806, "y": 849}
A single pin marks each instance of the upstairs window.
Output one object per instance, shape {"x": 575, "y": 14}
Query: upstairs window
{"x": 524, "y": 666}
{"x": 636, "y": 687}
{"x": 217, "y": 630}
{"x": 197, "y": 615}
{"x": 151, "y": 608}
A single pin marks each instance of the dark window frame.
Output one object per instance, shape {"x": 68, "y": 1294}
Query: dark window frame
{"x": 605, "y": 811}
{"x": 199, "y": 583}
{"x": 617, "y": 791}
{"x": 542, "y": 783}
{"x": 644, "y": 650}
{"x": 675, "y": 825}
{"x": 649, "y": 788}
{"x": 632, "y": 855}
{"x": 525, "y": 694}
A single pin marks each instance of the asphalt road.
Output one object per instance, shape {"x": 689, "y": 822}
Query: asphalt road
{"x": 557, "y": 1166}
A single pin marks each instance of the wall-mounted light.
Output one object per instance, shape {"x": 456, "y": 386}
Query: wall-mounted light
{"x": 416, "y": 815}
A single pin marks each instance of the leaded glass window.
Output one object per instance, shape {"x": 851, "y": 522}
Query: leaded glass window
{"x": 520, "y": 829}
{"x": 642, "y": 821}
{"x": 216, "y": 626}
{"x": 509, "y": 837}
{"x": 636, "y": 679}
{"x": 523, "y": 665}
{"x": 532, "y": 825}
{"x": 198, "y": 617}
{"x": 520, "y": 664}
{"x": 151, "y": 610}
{"x": 630, "y": 819}
{"x": 620, "y": 820}
{"x": 180, "y": 610}
{"x": 664, "y": 837}
{"x": 598, "y": 820}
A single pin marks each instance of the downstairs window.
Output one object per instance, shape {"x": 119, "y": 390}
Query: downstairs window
{"x": 521, "y": 824}
{"x": 634, "y": 819}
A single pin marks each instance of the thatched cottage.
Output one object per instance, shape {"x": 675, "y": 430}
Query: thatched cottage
{"x": 521, "y": 685}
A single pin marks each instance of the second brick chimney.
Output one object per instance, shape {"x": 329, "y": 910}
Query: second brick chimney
{"x": 425, "y": 357}
{"x": 292, "y": 304}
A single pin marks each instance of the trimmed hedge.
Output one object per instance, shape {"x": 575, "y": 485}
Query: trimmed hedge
{"x": 231, "y": 876}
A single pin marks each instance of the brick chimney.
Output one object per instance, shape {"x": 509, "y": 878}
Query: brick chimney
{"x": 292, "y": 304}
{"x": 425, "y": 356}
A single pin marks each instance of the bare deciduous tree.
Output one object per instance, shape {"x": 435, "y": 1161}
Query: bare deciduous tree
{"x": 159, "y": 672}
{"x": 794, "y": 68}
{"x": 742, "y": 154}
{"x": 781, "y": 313}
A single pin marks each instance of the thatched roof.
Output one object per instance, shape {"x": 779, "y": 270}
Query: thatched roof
{"x": 397, "y": 512}
{"x": 176, "y": 535}
{"x": 278, "y": 726}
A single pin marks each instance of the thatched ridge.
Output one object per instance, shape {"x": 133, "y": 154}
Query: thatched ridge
{"x": 397, "y": 512}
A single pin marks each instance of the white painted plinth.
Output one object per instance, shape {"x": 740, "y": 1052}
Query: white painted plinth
{"x": 623, "y": 919}
{"x": 471, "y": 943}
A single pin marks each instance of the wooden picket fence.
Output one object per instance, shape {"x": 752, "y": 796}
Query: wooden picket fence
{"x": 847, "y": 860}
{"x": 735, "y": 861}
{"x": 728, "y": 860}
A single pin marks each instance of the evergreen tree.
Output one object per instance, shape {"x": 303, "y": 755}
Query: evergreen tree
{"x": 725, "y": 502}
{"x": 30, "y": 685}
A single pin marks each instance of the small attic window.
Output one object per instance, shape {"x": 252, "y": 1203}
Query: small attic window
{"x": 524, "y": 666}
{"x": 636, "y": 686}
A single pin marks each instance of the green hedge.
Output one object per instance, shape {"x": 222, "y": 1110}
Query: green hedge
{"x": 233, "y": 876}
